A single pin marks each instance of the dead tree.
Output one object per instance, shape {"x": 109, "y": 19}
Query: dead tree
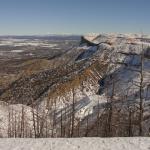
{"x": 15, "y": 126}
{"x": 22, "y": 122}
{"x": 61, "y": 123}
{"x": 87, "y": 125}
{"x": 98, "y": 119}
{"x": 34, "y": 122}
{"x": 141, "y": 94}
{"x": 73, "y": 113}
{"x": 9, "y": 124}
{"x": 110, "y": 111}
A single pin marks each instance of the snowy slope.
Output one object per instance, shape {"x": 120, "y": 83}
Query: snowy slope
{"x": 112, "y": 50}
{"x": 107, "y": 60}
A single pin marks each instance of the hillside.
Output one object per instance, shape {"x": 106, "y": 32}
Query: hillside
{"x": 99, "y": 88}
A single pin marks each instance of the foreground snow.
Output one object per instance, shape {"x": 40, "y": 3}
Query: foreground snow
{"x": 76, "y": 144}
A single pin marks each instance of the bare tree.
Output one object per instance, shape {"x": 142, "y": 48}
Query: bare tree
{"x": 141, "y": 93}
{"x": 22, "y": 121}
{"x": 73, "y": 113}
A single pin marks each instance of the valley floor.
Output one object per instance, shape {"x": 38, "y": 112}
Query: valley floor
{"x": 76, "y": 144}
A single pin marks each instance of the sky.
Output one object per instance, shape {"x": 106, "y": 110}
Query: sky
{"x": 40, "y": 17}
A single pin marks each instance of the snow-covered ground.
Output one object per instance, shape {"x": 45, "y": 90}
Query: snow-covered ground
{"x": 76, "y": 144}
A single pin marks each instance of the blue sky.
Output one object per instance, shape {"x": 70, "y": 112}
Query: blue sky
{"x": 74, "y": 16}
